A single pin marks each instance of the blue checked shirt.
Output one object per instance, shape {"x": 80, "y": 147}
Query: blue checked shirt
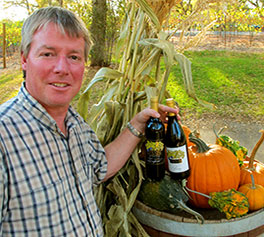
{"x": 46, "y": 179}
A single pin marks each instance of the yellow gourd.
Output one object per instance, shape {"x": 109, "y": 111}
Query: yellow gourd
{"x": 254, "y": 193}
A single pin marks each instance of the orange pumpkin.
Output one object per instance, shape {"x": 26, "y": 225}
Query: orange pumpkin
{"x": 187, "y": 132}
{"x": 213, "y": 169}
{"x": 254, "y": 193}
{"x": 253, "y": 166}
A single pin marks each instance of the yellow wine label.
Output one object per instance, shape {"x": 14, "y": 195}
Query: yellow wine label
{"x": 155, "y": 151}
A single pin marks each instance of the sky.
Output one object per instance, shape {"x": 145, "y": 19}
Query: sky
{"x": 12, "y": 13}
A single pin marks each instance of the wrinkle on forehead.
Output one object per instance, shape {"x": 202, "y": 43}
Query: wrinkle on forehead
{"x": 63, "y": 30}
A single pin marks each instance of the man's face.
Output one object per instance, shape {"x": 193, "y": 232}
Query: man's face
{"x": 54, "y": 67}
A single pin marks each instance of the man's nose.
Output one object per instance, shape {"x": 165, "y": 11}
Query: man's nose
{"x": 61, "y": 65}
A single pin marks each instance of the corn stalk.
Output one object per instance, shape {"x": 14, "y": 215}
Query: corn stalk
{"x": 142, "y": 45}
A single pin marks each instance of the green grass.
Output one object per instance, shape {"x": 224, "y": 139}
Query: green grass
{"x": 233, "y": 82}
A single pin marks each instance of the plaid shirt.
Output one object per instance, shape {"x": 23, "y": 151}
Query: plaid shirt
{"x": 46, "y": 179}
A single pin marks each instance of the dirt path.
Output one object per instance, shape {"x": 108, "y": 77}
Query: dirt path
{"x": 242, "y": 130}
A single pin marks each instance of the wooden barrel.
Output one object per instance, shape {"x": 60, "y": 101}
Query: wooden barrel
{"x": 161, "y": 224}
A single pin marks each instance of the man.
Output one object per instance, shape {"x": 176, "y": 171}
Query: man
{"x": 49, "y": 157}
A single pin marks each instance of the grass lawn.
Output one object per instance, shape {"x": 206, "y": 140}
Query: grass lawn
{"x": 233, "y": 82}
{"x": 10, "y": 82}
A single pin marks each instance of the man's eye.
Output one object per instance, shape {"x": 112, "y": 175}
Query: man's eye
{"x": 47, "y": 54}
{"x": 74, "y": 57}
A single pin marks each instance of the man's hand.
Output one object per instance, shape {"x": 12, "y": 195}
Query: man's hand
{"x": 118, "y": 151}
{"x": 140, "y": 120}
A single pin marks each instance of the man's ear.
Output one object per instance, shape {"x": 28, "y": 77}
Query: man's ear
{"x": 23, "y": 61}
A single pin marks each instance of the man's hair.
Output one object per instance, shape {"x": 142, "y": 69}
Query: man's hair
{"x": 68, "y": 22}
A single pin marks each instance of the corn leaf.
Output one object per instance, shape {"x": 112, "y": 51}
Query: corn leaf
{"x": 82, "y": 105}
{"x": 146, "y": 8}
{"x": 165, "y": 46}
{"x": 116, "y": 219}
{"x": 124, "y": 31}
{"x": 97, "y": 109}
{"x": 114, "y": 113}
{"x": 103, "y": 74}
{"x": 116, "y": 188}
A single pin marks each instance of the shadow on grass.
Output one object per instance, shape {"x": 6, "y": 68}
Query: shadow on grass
{"x": 231, "y": 81}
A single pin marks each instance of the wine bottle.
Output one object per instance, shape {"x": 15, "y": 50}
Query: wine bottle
{"x": 176, "y": 146}
{"x": 155, "y": 148}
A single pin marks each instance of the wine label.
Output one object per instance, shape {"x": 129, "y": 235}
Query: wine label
{"x": 155, "y": 151}
{"x": 177, "y": 159}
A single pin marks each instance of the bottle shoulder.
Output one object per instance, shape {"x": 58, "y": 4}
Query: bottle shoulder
{"x": 154, "y": 123}
{"x": 175, "y": 136}
{"x": 155, "y": 130}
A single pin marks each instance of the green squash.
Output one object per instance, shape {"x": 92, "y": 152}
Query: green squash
{"x": 166, "y": 195}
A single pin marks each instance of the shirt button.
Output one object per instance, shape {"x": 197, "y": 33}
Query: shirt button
{"x": 85, "y": 203}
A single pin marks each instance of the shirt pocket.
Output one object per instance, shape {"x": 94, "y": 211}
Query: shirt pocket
{"x": 46, "y": 211}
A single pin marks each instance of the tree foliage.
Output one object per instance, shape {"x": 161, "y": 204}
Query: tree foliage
{"x": 231, "y": 15}
{"x": 186, "y": 16}
{"x": 13, "y": 30}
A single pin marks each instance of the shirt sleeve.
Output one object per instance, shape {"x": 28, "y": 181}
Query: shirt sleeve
{"x": 100, "y": 168}
{"x": 95, "y": 154}
{"x": 3, "y": 190}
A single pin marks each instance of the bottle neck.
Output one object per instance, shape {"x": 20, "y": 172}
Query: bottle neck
{"x": 170, "y": 103}
{"x": 170, "y": 114}
{"x": 154, "y": 106}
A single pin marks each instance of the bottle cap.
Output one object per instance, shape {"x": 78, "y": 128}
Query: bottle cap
{"x": 171, "y": 103}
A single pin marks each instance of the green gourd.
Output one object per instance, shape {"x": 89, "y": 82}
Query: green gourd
{"x": 166, "y": 195}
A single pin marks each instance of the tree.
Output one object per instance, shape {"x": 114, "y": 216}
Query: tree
{"x": 98, "y": 30}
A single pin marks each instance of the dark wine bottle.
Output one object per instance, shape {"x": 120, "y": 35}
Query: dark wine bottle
{"x": 155, "y": 148}
{"x": 176, "y": 146}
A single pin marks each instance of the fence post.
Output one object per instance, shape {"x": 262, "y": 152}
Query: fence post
{"x": 4, "y": 45}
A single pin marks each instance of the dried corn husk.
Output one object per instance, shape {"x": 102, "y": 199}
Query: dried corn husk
{"x": 162, "y": 8}
{"x": 141, "y": 47}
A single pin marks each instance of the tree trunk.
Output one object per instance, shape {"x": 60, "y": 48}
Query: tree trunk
{"x": 98, "y": 31}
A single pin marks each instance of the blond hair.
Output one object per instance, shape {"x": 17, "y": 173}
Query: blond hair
{"x": 68, "y": 23}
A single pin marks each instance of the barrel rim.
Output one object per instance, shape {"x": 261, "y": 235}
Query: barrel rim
{"x": 167, "y": 223}
{"x": 140, "y": 205}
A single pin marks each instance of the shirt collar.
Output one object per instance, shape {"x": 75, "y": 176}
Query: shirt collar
{"x": 39, "y": 112}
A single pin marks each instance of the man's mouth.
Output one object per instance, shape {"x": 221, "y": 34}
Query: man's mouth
{"x": 59, "y": 84}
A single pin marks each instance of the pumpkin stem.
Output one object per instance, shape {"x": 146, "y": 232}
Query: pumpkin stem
{"x": 253, "y": 181}
{"x": 200, "y": 144}
{"x": 202, "y": 194}
{"x": 219, "y": 131}
{"x": 254, "y": 151}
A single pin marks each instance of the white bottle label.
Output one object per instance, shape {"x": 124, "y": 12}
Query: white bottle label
{"x": 177, "y": 159}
